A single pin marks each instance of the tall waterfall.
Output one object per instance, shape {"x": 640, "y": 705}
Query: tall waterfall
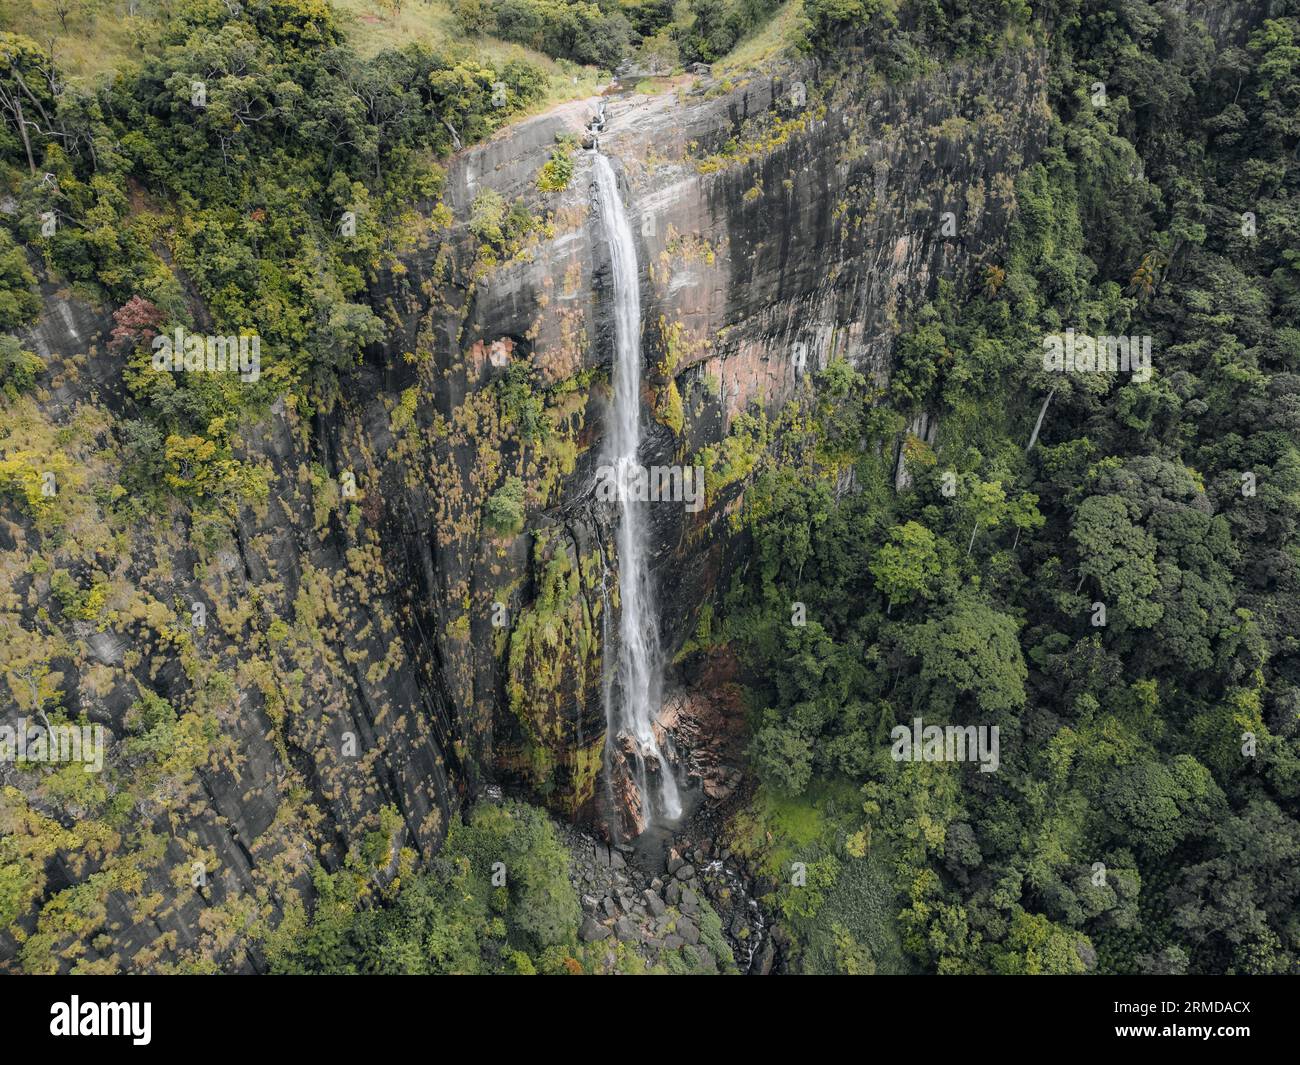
{"x": 633, "y": 698}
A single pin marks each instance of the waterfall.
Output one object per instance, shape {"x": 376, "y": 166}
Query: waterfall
{"x": 634, "y": 696}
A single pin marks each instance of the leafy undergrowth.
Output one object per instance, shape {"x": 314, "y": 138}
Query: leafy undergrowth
{"x": 838, "y": 900}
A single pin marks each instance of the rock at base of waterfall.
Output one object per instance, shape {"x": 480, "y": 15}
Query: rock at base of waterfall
{"x": 705, "y": 724}
{"x": 628, "y": 815}
{"x": 593, "y": 931}
{"x": 687, "y": 929}
{"x": 652, "y": 915}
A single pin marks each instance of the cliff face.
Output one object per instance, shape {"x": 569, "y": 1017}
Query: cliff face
{"x": 402, "y": 644}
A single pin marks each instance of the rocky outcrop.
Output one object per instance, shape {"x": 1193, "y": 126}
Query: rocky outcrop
{"x": 423, "y": 602}
{"x": 689, "y": 909}
{"x": 706, "y": 717}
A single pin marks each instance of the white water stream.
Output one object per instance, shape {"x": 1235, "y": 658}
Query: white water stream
{"x": 635, "y": 694}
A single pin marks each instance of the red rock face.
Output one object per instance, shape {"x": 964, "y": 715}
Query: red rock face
{"x": 496, "y": 354}
{"x": 627, "y": 819}
{"x": 704, "y": 723}
{"x": 707, "y": 720}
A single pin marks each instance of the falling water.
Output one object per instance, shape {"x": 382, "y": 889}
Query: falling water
{"x": 633, "y": 699}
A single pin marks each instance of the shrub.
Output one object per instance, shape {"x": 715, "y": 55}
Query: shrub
{"x": 557, "y": 171}
{"x": 19, "y": 302}
{"x": 18, "y": 367}
{"x": 505, "y": 508}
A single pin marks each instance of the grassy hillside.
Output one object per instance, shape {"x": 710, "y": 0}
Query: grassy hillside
{"x": 92, "y": 38}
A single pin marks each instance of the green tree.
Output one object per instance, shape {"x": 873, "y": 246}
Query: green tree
{"x": 908, "y": 565}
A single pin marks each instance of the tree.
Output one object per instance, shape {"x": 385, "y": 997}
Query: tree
{"x": 1120, "y": 557}
{"x": 18, "y": 367}
{"x": 1154, "y": 806}
{"x": 20, "y": 304}
{"x": 908, "y": 565}
{"x": 920, "y": 355}
{"x": 26, "y": 98}
{"x": 1037, "y": 947}
{"x": 504, "y": 513}
{"x": 972, "y": 650}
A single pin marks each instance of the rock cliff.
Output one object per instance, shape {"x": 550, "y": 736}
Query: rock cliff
{"x": 402, "y": 622}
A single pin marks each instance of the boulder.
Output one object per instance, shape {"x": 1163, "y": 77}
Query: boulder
{"x": 688, "y": 930}
{"x": 593, "y": 931}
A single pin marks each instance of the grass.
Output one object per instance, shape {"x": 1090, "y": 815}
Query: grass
{"x": 864, "y": 903}
{"x": 828, "y": 810}
{"x": 860, "y": 906}
{"x": 371, "y": 28}
{"x": 652, "y": 86}
{"x": 774, "y": 40}
{"x": 97, "y": 41}
{"x": 101, "y": 37}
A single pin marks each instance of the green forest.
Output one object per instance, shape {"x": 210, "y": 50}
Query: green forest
{"x": 1102, "y": 568}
